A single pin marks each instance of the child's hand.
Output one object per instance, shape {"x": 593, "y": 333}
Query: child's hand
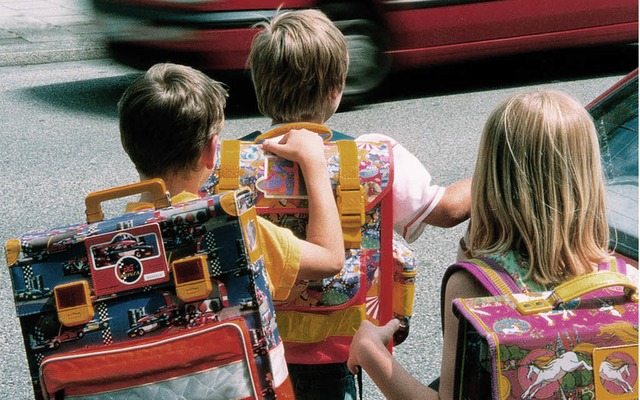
{"x": 368, "y": 340}
{"x": 298, "y": 145}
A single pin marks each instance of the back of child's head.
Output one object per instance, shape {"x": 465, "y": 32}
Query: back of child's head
{"x": 168, "y": 116}
{"x": 538, "y": 186}
{"x": 297, "y": 60}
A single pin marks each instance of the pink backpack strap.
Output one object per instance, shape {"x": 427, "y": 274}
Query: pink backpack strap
{"x": 487, "y": 272}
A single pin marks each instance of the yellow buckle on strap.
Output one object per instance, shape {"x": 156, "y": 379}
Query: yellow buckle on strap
{"x": 229, "y": 175}
{"x": 350, "y": 194}
{"x": 351, "y": 210}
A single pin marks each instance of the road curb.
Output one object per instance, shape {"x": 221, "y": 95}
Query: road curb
{"x": 33, "y": 56}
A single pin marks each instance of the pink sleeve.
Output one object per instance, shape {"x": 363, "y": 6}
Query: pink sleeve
{"x": 414, "y": 197}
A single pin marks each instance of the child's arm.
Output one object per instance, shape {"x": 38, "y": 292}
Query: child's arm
{"x": 417, "y": 201}
{"x": 454, "y": 207}
{"x": 369, "y": 350}
{"x": 322, "y": 253}
{"x": 461, "y": 284}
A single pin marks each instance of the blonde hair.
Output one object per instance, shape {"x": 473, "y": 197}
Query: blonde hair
{"x": 538, "y": 187}
{"x": 296, "y": 61}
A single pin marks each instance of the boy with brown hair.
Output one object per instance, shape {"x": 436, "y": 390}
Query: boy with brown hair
{"x": 170, "y": 119}
{"x": 299, "y": 62}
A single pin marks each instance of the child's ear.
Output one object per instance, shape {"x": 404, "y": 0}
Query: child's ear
{"x": 209, "y": 154}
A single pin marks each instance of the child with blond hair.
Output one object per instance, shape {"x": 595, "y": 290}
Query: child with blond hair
{"x": 299, "y": 62}
{"x": 538, "y": 211}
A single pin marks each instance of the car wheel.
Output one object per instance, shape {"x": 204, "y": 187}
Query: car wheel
{"x": 368, "y": 62}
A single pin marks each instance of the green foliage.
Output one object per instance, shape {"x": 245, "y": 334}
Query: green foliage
{"x": 511, "y": 353}
{"x": 569, "y": 383}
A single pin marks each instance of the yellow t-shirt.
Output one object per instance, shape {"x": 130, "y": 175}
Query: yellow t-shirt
{"x": 281, "y": 249}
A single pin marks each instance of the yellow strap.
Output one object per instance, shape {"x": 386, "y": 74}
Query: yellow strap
{"x": 229, "y": 175}
{"x": 280, "y": 130}
{"x": 584, "y": 284}
{"x": 350, "y": 194}
{"x": 613, "y": 264}
{"x": 573, "y": 289}
{"x": 300, "y": 327}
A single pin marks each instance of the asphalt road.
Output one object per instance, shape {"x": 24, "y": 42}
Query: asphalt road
{"x": 60, "y": 141}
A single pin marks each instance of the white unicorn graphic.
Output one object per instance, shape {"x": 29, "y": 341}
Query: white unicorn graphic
{"x": 513, "y": 329}
{"x": 552, "y": 370}
{"x": 614, "y": 371}
{"x": 566, "y": 314}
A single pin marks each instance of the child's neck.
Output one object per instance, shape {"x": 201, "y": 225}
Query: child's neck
{"x": 177, "y": 184}
{"x": 316, "y": 120}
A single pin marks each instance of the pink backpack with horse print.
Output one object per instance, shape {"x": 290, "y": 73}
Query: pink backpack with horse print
{"x": 578, "y": 341}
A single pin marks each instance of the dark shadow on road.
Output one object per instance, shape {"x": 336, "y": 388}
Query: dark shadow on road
{"x": 100, "y": 96}
{"x": 93, "y": 96}
{"x": 508, "y": 71}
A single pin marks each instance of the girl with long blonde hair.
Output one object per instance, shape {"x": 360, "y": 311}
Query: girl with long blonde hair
{"x": 538, "y": 210}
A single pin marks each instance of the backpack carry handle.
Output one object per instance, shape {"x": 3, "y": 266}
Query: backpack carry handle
{"x": 155, "y": 187}
{"x": 280, "y": 130}
{"x": 574, "y": 289}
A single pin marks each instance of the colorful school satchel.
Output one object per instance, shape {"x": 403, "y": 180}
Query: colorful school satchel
{"x": 377, "y": 281}
{"x": 579, "y": 341}
{"x": 164, "y": 303}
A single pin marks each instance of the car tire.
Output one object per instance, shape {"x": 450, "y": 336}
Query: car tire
{"x": 368, "y": 62}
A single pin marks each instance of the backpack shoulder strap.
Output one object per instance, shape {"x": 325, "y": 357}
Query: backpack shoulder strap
{"x": 487, "y": 272}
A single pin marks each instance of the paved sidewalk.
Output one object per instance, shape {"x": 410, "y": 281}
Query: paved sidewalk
{"x": 46, "y": 31}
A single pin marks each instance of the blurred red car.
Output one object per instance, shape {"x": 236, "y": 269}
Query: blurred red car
{"x": 215, "y": 35}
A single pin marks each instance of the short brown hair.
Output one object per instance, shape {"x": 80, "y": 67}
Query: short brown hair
{"x": 296, "y": 61}
{"x": 167, "y": 117}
